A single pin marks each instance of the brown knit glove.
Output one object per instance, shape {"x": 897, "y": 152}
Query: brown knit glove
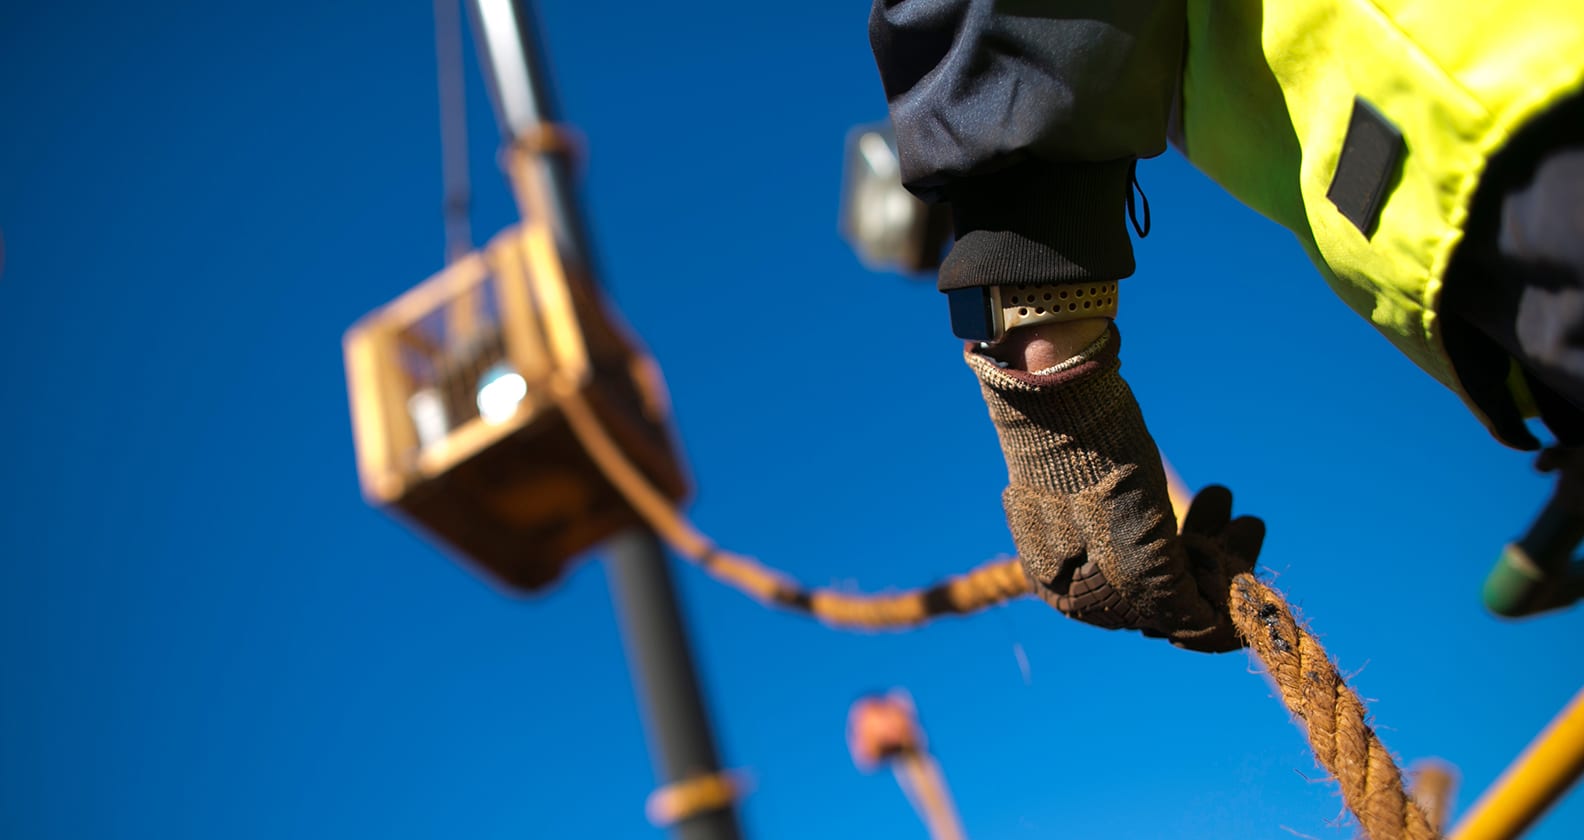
{"x": 1088, "y": 507}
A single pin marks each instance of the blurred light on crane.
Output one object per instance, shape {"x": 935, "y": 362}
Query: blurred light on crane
{"x": 501, "y": 391}
{"x": 889, "y": 227}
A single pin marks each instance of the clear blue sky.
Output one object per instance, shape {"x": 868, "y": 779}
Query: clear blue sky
{"x": 205, "y": 632}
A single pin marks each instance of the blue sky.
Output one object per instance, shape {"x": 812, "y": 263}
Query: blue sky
{"x": 205, "y": 632}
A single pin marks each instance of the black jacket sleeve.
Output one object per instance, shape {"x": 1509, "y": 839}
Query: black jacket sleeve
{"x": 1028, "y": 118}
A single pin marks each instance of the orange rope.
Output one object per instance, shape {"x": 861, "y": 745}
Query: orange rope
{"x": 1314, "y": 692}
{"x": 994, "y": 583}
{"x": 1321, "y": 700}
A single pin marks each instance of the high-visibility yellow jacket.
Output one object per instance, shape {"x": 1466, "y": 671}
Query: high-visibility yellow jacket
{"x": 1364, "y": 128}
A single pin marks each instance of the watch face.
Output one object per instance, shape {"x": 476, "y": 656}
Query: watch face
{"x": 972, "y": 315}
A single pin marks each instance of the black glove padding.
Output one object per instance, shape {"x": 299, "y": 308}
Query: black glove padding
{"x": 1089, "y": 511}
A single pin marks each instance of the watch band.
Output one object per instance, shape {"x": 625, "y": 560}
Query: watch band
{"x": 985, "y": 313}
{"x": 1022, "y": 306}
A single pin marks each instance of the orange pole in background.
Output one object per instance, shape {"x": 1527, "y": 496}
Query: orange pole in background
{"x": 1432, "y": 787}
{"x": 921, "y": 778}
{"x": 884, "y": 730}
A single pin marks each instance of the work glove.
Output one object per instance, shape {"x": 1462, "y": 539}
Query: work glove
{"x": 1089, "y": 512}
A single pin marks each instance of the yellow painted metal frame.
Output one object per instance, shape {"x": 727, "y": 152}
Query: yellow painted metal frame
{"x": 1551, "y": 764}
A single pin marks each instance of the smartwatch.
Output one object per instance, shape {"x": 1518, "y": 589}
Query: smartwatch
{"x": 985, "y": 313}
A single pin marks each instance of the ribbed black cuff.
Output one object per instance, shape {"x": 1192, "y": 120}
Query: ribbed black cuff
{"x": 1038, "y": 222}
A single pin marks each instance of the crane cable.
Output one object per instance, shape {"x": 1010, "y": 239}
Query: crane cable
{"x": 457, "y": 197}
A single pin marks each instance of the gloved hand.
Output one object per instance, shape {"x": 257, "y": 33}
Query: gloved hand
{"x": 1219, "y": 548}
{"x": 1088, "y": 507}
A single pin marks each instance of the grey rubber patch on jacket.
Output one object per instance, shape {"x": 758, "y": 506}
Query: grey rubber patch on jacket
{"x": 1367, "y": 168}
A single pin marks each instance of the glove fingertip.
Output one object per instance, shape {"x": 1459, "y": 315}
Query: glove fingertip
{"x": 1209, "y": 511}
{"x": 1224, "y": 641}
{"x": 1244, "y": 537}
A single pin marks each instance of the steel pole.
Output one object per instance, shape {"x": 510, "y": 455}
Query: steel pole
{"x": 663, "y": 674}
{"x": 519, "y": 84}
{"x": 640, "y": 577}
